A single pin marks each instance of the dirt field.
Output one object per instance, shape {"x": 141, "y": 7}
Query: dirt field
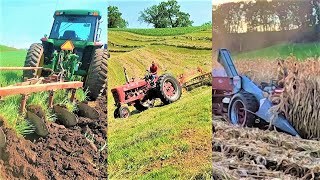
{"x": 66, "y": 153}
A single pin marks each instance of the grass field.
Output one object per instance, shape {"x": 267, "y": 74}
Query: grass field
{"x": 165, "y": 142}
{"x": 301, "y": 51}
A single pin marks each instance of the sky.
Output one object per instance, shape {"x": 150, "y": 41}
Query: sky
{"x": 199, "y": 10}
{"x": 22, "y": 24}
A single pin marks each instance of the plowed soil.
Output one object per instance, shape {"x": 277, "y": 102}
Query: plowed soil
{"x": 249, "y": 153}
{"x": 79, "y": 152}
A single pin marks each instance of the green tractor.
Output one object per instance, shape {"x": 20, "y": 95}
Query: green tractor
{"x": 73, "y": 51}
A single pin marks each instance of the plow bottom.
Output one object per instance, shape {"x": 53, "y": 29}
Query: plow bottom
{"x": 86, "y": 111}
{"x": 67, "y": 118}
{"x": 2, "y": 139}
{"x": 39, "y": 124}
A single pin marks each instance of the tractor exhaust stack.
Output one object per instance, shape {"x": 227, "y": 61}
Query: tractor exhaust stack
{"x": 126, "y": 75}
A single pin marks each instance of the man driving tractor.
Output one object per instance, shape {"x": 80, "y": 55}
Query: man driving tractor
{"x": 153, "y": 70}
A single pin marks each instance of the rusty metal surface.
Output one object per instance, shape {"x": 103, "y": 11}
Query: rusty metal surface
{"x": 26, "y": 89}
{"x": 19, "y": 68}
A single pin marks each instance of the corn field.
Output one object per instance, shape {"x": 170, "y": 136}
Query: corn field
{"x": 300, "y": 101}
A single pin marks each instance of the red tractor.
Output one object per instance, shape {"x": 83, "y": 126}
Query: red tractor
{"x": 142, "y": 93}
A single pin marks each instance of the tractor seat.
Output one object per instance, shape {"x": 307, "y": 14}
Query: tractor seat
{"x": 69, "y": 35}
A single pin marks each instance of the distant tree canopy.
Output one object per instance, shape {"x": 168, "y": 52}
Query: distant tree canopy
{"x": 166, "y": 14}
{"x": 263, "y": 15}
{"x": 114, "y": 18}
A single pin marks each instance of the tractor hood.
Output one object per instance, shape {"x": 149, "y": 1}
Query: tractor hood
{"x": 77, "y": 44}
{"x": 131, "y": 85}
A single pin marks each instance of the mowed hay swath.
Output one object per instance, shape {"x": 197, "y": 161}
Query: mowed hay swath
{"x": 300, "y": 101}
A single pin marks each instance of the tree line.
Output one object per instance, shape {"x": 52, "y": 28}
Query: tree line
{"x": 166, "y": 14}
{"x": 262, "y": 15}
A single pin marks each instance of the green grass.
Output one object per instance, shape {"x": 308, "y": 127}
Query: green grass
{"x": 167, "y": 142}
{"x": 301, "y": 51}
{"x": 164, "y": 31}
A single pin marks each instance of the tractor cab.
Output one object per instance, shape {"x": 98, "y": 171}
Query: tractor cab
{"x": 80, "y": 27}
{"x": 76, "y": 25}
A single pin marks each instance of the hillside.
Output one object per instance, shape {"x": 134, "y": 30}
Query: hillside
{"x": 172, "y": 141}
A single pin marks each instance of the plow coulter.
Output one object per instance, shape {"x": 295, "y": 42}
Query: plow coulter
{"x": 34, "y": 113}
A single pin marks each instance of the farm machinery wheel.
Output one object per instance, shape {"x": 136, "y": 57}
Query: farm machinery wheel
{"x": 96, "y": 79}
{"x": 168, "y": 89}
{"x": 34, "y": 58}
{"x": 240, "y": 109}
{"x": 122, "y": 112}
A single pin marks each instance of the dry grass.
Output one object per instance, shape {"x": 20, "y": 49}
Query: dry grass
{"x": 300, "y": 101}
{"x": 256, "y": 154}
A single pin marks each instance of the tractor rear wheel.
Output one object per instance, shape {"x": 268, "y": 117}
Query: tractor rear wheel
{"x": 34, "y": 58}
{"x": 240, "y": 109}
{"x": 168, "y": 89}
{"x": 96, "y": 80}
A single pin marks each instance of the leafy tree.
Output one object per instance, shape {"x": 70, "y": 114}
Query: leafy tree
{"x": 114, "y": 18}
{"x": 166, "y": 14}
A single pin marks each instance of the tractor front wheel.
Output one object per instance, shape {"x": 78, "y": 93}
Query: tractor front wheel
{"x": 168, "y": 89}
{"x": 34, "y": 58}
{"x": 96, "y": 80}
{"x": 241, "y": 109}
{"x": 123, "y": 112}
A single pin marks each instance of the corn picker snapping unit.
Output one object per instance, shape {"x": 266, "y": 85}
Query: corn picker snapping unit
{"x": 73, "y": 56}
{"x": 244, "y": 102}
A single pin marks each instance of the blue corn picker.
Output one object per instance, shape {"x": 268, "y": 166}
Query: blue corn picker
{"x": 242, "y": 100}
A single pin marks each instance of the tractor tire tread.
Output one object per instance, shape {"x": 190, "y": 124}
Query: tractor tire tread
{"x": 33, "y": 59}
{"x": 251, "y": 104}
{"x": 96, "y": 80}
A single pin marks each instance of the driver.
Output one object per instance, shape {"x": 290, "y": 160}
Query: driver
{"x": 153, "y": 70}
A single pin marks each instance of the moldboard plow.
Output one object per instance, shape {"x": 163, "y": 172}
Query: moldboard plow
{"x": 194, "y": 79}
{"x": 36, "y": 116}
